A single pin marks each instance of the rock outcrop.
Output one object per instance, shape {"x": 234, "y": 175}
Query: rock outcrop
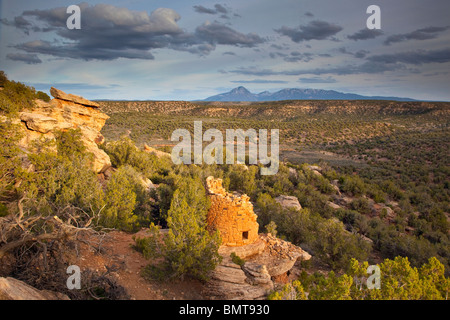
{"x": 58, "y": 94}
{"x": 67, "y": 111}
{"x": 156, "y": 152}
{"x": 265, "y": 261}
{"x": 13, "y": 289}
{"x": 288, "y": 202}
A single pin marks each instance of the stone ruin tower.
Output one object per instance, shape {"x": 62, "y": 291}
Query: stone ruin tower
{"x": 232, "y": 215}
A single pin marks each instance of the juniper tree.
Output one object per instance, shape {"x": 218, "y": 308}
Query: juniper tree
{"x": 189, "y": 248}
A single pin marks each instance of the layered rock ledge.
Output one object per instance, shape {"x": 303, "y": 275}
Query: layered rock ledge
{"x": 266, "y": 260}
{"x": 66, "y": 111}
{"x": 13, "y": 289}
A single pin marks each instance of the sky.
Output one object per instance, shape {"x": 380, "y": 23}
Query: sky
{"x": 193, "y": 49}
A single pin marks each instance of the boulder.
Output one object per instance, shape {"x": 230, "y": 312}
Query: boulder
{"x": 317, "y": 173}
{"x": 288, "y": 202}
{"x": 58, "y": 94}
{"x": 229, "y": 281}
{"x": 390, "y": 214}
{"x": 13, "y": 289}
{"x": 265, "y": 260}
{"x": 257, "y": 274}
{"x": 293, "y": 172}
{"x": 101, "y": 161}
{"x": 156, "y": 152}
{"x": 146, "y": 183}
{"x": 333, "y": 205}
{"x": 314, "y": 168}
{"x": 279, "y": 255}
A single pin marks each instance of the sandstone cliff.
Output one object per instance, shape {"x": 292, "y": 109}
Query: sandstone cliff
{"x": 66, "y": 111}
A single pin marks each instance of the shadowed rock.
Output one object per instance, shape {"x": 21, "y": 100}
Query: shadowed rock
{"x": 13, "y": 289}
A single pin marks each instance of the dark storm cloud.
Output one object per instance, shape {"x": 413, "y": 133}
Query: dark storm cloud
{"x": 314, "y": 30}
{"x": 22, "y": 24}
{"x": 75, "y": 52}
{"x": 24, "y": 57}
{"x": 366, "y": 67}
{"x": 419, "y": 34}
{"x": 358, "y": 54}
{"x": 296, "y": 56}
{"x": 202, "y": 9}
{"x": 260, "y": 81}
{"x": 254, "y": 71}
{"x": 218, "y": 8}
{"x": 365, "y": 34}
{"x": 108, "y": 32}
{"x": 418, "y": 57}
{"x": 217, "y": 33}
{"x": 278, "y": 47}
{"x": 373, "y": 65}
{"x": 317, "y": 80}
{"x": 19, "y": 22}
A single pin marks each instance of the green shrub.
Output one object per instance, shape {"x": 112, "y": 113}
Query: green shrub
{"x": 336, "y": 247}
{"x": 361, "y": 205}
{"x": 10, "y": 162}
{"x": 236, "y": 259}
{"x": 353, "y": 185}
{"x": 3, "y": 78}
{"x": 120, "y": 202}
{"x": 121, "y": 152}
{"x": 188, "y": 248}
{"x": 60, "y": 183}
{"x": 271, "y": 228}
{"x": 16, "y": 97}
{"x": 42, "y": 96}
{"x": 69, "y": 144}
{"x": 3, "y": 210}
{"x": 398, "y": 281}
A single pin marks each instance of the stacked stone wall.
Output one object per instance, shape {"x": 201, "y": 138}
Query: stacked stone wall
{"x": 232, "y": 215}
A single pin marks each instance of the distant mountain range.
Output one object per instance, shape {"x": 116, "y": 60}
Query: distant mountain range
{"x": 242, "y": 94}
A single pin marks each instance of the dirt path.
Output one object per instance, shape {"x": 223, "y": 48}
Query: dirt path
{"x": 116, "y": 253}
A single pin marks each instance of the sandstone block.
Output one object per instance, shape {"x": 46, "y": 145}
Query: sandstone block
{"x": 71, "y": 97}
{"x": 13, "y": 289}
